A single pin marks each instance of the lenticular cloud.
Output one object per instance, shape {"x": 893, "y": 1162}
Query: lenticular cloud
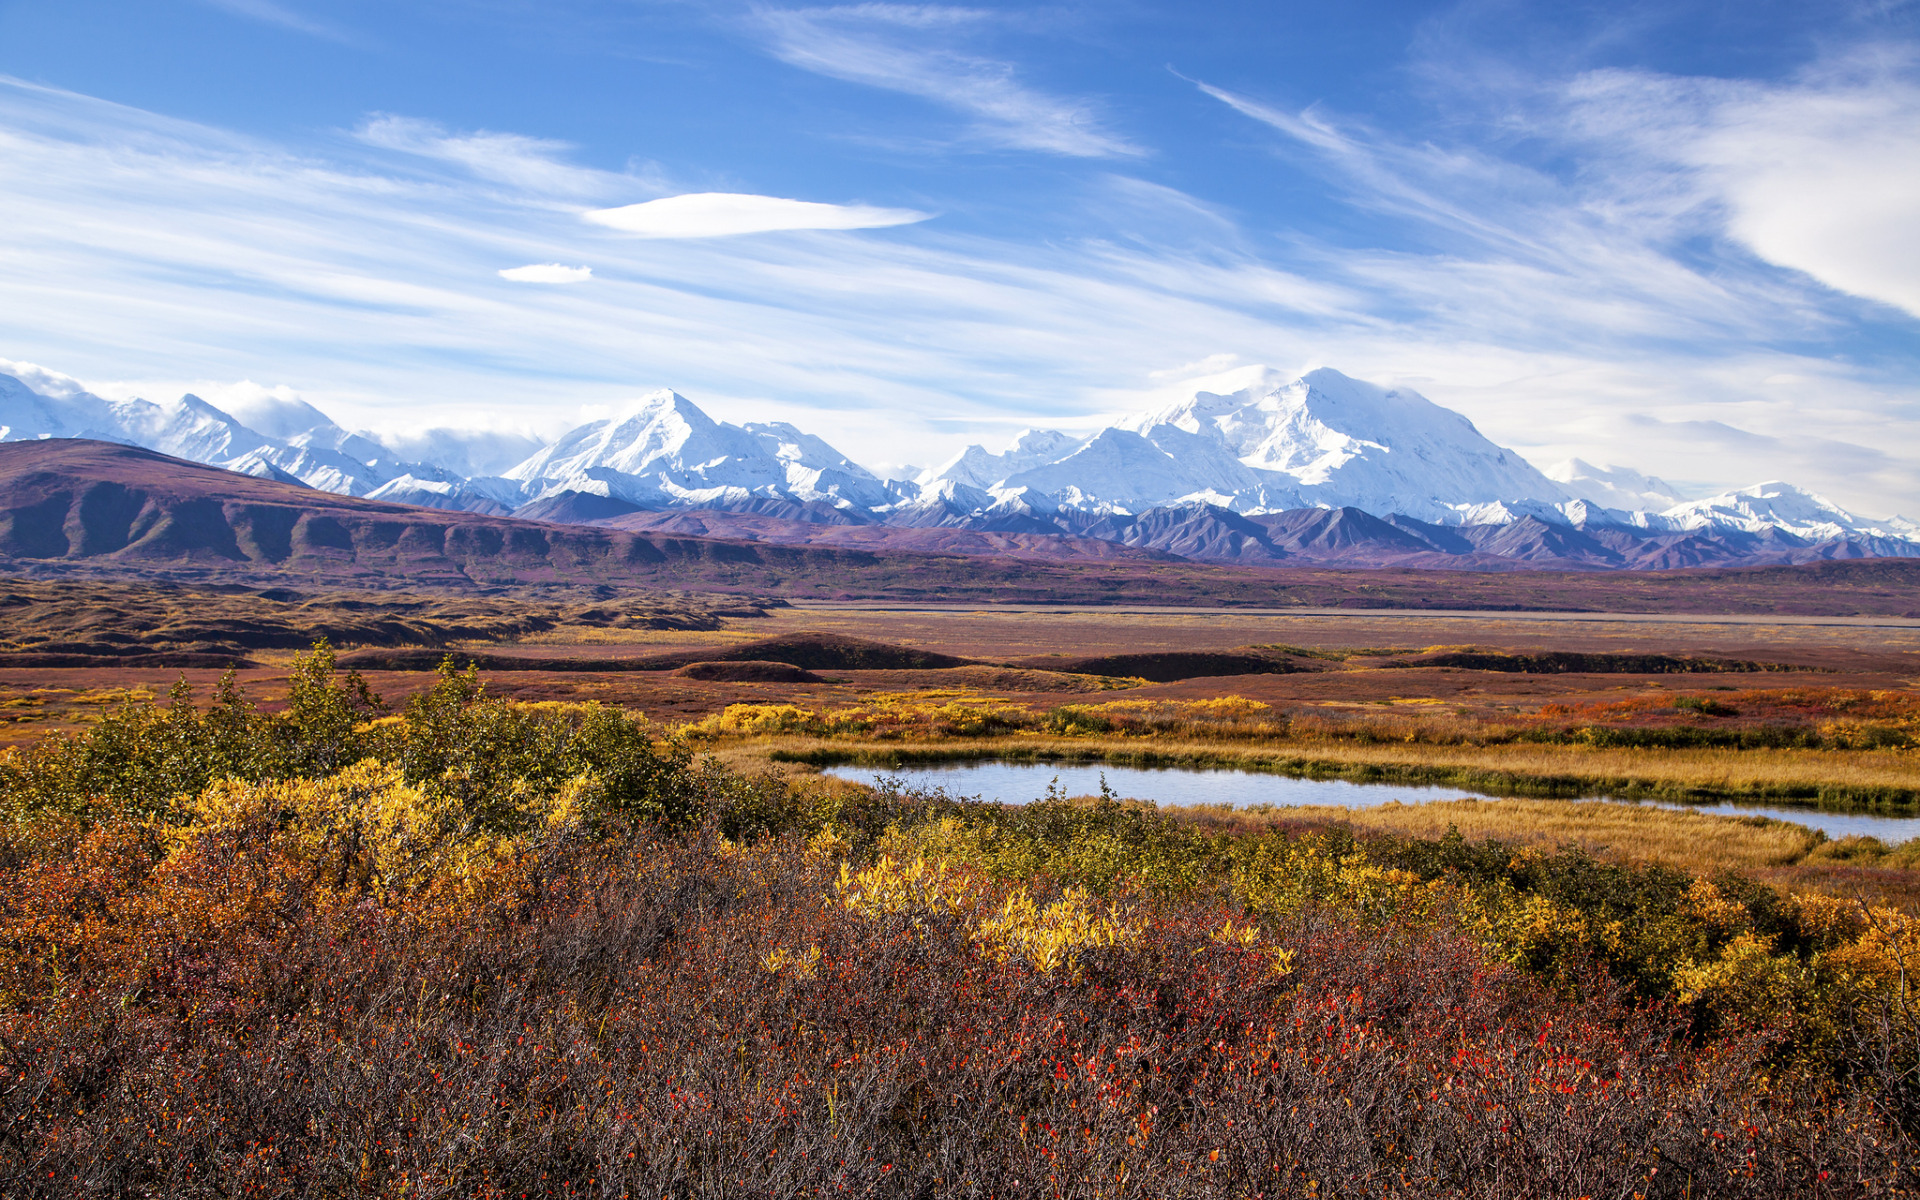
{"x": 721, "y": 214}
{"x": 547, "y": 273}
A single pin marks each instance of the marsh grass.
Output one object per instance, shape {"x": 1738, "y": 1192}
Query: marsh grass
{"x": 1701, "y": 843}
{"x": 1785, "y": 855}
{"x": 1874, "y": 780}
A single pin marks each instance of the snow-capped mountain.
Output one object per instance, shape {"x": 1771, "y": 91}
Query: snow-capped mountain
{"x": 1320, "y": 441}
{"x": 665, "y": 452}
{"x": 1619, "y": 488}
{"x": 1320, "y": 468}
{"x": 1778, "y": 506}
{"x": 978, "y": 468}
{"x": 1337, "y": 441}
{"x": 279, "y": 438}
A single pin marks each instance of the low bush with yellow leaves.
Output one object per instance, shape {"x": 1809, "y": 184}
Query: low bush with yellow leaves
{"x": 935, "y": 715}
{"x": 1046, "y": 936}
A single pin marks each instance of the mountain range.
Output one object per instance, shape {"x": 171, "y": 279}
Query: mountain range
{"x": 83, "y": 509}
{"x": 1319, "y": 470}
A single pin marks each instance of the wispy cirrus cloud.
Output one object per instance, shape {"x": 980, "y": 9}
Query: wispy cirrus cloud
{"x": 534, "y": 165}
{"x": 919, "y": 50}
{"x": 725, "y": 214}
{"x": 151, "y": 250}
{"x": 1655, "y": 261}
{"x": 1820, "y": 174}
{"x": 273, "y": 13}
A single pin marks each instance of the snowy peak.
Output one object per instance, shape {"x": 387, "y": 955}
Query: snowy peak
{"x": 1341, "y": 441}
{"x": 815, "y": 470}
{"x": 1119, "y": 470}
{"x": 977, "y": 467}
{"x": 662, "y": 423}
{"x": 666, "y": 451}
{"x": 1776, "y": 505}
{"x": 1614, "y": 487}
{"x": 1323, "y": 440}
{"x": 186, "y": 428}
{"x": 305, "y": 447}
{"x": 63, "y": 409}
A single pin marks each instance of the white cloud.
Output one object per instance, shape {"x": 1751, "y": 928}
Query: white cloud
{"x": 547, "y": 273}
{"x": 47, "y": 383}
{"x": 721, "y": 214}
{"x": 1820, "y": 175}
{"x": 905, "y": 48}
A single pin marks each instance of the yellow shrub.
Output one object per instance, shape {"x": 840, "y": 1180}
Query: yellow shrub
{"x": 363, "y": 830}
{"x": 976, "y": 847}
{"x": 1052, "y": 937}
{"x": 1705, "y": 904}
{"x": 1225, "y": 708}
{"x": 1748, "y": 979}
{"x": 1280, "y": 880}
{"x": 1046, "y": 937}
{"x": 793, "y": 963}
{"x": 828, "y": 843}
{"x": 1830, "y": 919}
{"x": 1886, "y": 954}
{"x": 1533, "y": 931}
{"x": 1249, "y": 937}
{"x": 757, "y": 720}
{"x": 919, "y": 888}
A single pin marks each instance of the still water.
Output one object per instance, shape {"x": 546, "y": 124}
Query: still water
{"x": 1017, "y": 783}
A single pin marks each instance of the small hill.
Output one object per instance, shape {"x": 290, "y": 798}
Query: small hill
{"x": 748, "y": 671}
{"x": 812, "y": 652}
{"x": 1167, "y": 666}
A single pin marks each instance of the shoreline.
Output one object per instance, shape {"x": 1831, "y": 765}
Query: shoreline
{"x": 1791, "y": 778}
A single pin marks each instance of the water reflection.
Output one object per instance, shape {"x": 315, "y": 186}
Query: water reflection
{"x": 1018, "y": 783}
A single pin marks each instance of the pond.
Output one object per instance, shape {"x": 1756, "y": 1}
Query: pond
{"x": 1019, "y": 782}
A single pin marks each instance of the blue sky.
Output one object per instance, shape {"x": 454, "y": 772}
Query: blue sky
{"x": 1674, "y": 236}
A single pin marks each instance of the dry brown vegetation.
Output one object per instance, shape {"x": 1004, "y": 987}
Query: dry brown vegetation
{"x": 68, "y": 624}
{"x": 1701, "y": 843}
{"x": 1784, "y": 854}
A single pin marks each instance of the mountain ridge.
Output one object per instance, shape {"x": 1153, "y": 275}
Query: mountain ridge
{"x": 89, "y": 510}
{"x": 1221, "y": 476}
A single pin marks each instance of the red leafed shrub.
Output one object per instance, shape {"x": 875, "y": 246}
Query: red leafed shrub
{"x": 688, "y": 1017}
{"x": 487, "y": 950}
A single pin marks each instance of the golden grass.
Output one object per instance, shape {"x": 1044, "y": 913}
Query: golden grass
{"x": 1698, "y": 842}
{"x": 1859, "y": 778}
